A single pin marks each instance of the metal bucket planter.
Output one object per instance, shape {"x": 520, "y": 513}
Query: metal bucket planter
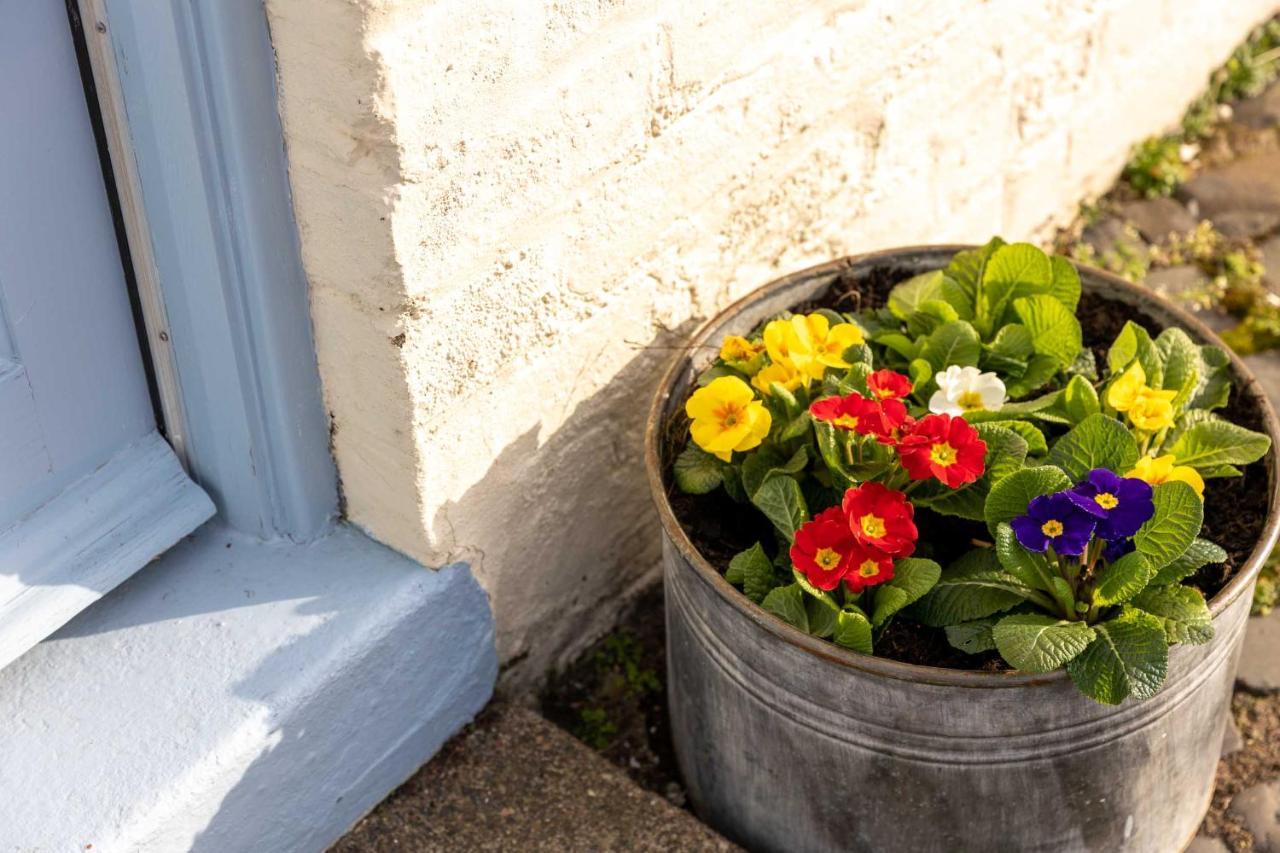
{"x": 788, "y": 742}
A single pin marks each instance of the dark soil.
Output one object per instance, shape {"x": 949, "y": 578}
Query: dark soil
{"x": 720, "y": 528}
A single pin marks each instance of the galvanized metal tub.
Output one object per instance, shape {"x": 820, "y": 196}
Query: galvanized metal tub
{"x": 788, "y": 742}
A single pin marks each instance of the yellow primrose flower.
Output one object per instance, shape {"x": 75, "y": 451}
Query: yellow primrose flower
{"x": 1162, "y": 469}
{"x": 830, "y": 351}
{"x": 1152, "y": 411}
{"x": 1123, "y": 393}
{"x": 784, "y": 374}
{"x": 779, "y": 339}
{"x": 727, "y": 417}
{"x": 742, "y": 354}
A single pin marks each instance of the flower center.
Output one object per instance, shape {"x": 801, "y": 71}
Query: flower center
{"x": 827, "y": 559}
{"x": 869, "y": 569}
{"x": 970, "y": 401}
{"x": 1106, "y": 500}
{"x": 884, "y": 393}
{"x": 1051, "y": 528}
{"x": 730, "y": 415}
{"x": 943, "y": 454}
{"x": 847, "y": 422}
{"x": 872, "y": 526}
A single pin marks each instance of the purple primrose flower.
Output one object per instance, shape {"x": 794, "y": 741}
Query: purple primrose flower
{"x": 1121, "y": 504}
{"x": 1054, "y": 520}
{"x": 1116, "y": 549}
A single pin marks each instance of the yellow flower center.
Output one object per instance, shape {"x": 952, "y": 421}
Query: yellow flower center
{"x": 872, "y": 526}
{"x": 1051, "y": 528}
{"x": 869, "y": 569}
{"x": 943, "y": 454}
{"x": 884, "y": 393}
{"x": 827, "y": 559}
{"x": 1106, "y": 500}
{"x": 847, "y": 421}
{"x": 970, "y": 401}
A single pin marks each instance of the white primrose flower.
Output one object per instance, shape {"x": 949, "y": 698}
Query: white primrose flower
{"x": 966, "y": 389}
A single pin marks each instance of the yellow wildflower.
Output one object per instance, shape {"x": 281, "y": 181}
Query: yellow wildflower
{"x": 1152, "y": 411}
{"x": 742, "y": 354}
{"x": 841, "y": 336}
{"x": 810, "y": 343}
{"x": 727, "y": 417}
{"x": 1123, "y": 393}
{"x": 1162, "y": 469}
{"x": 784, "y": 374}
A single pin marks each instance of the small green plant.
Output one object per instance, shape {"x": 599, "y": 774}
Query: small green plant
{"x": 595, "y": 729}
{"x": 619, "y": 661}
{"x": 1128, "y": 258}
{"x": 1156, "y": 168}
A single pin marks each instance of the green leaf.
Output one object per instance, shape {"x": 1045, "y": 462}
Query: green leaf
{"x": 1135, "y": 342}
{"x": 1006, "y": 451}
{"x": 766, "y": 462}
{"x": 1031, "y": 434}
{"x": 1009, "y": 497}
{"x": 920, "y": 372}
{"x": 787, "y": 603}
{"x": 1182, "y": 362}
{"x": 1027, "y": 566}
{"x": 1128, "y": 657}
{"x": 696, "y": 471}
{"x": 912, "y": 578}
{"x": 1096, "y": 442}
{"x": 781, "y": 501}
{"x": 753, "y": 571}
{"x": 966, "y": 267}
{"x": 1065, "y": 286}
{"x": 1040, "y": 370}
{"x": 968, "y": 595}
{"x": 819, "y": 595}
{"x": 932, "y": 314}
{"x": 853, "y": 630}
{"x": 1177, "y": 519}
{"x": 831, "y": 444}
{"x": 899, "y": 343}
{"x": 822, "y": 618}
{"x": 1080, "y": 400}
{"x": 905, "y": 298}
{"x": 1009, "y": 352}
{"x": 1201, "y": 552}
{"x": 1033, "y": 642}
{"x": 951, "y": 343}
{"x": 1181, "y": 609}
{"x": 972, "y": 637}
{"x": 1124, "y": 579}
{"x": 1013, "y": 271}
{"x": 1213, "y": 442}
{"x": 1055, "y": 331}
{"x": 1215, "y": 380}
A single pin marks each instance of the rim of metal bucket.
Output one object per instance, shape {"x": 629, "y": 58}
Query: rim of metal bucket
{"x": 1125, "y": 291}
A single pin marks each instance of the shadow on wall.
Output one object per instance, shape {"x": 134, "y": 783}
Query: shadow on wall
{"x": 564, "y": 524}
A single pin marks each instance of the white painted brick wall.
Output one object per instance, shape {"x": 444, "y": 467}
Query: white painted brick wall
{"x": 512, "y": 210}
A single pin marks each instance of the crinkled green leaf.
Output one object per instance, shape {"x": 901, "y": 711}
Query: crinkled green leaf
{"x": 1013, "y": 271}
{"x": 1006, "y": 451}
{"x": 1033, "y": 642}
{"x": 766, "y": 463}
{"x": 1177, "y": 519}
{"x": 1027, "y": 566}
{"x": 951, "y": 343}
{"x": 1065, "y": 286}
{"x": 1009, "y": 497}
{"x": 1039, "y": 371}
{"x": 820, "y": 595}
{"x": 1055, "y": 331}
{"x": 1123, "y": 579}
{"x": 970, "y": 589}
{"x": 1182, "y": 611}
{"x": 1129, "y": 656}
{"x": 1080, "y": 400}
{"x": 1098, "y": 441}
{"x": 821, "y": 617}
{"x": 972, "y": 637}
{"x": 696, "y": 471}
{"x": 912, "y": 578}
{"x": 1201, "y": 552}
{"x": 853, "y": 630}
{"x": 1182, "y": 362}
{"x": 1215, "y": 380}
{"x": 1031, "y": 434}
{"x": 787, "y": 603}
{"x": 905, "y": 298}
{"x": 782, "y": 502}
{"x": 1214, "y": 442}
{"x": 1135, "y": 342}
{"x": 753, "y": 571}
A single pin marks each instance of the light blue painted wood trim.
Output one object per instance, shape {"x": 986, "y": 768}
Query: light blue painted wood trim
{"x": 197, "y": 81}
{"x": 101, "y": 529}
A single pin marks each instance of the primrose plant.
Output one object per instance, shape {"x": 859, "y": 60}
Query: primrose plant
{"x": 971, "y": 395}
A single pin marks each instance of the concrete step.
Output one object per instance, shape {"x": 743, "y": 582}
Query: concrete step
{"x": 514, "y": 781}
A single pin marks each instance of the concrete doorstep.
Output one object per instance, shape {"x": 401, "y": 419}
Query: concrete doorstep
{"x": 514, "y": 781}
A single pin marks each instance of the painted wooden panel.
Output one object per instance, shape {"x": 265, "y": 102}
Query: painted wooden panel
{"x": 65, "y": 307}
{"x": 23, "y": 456}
